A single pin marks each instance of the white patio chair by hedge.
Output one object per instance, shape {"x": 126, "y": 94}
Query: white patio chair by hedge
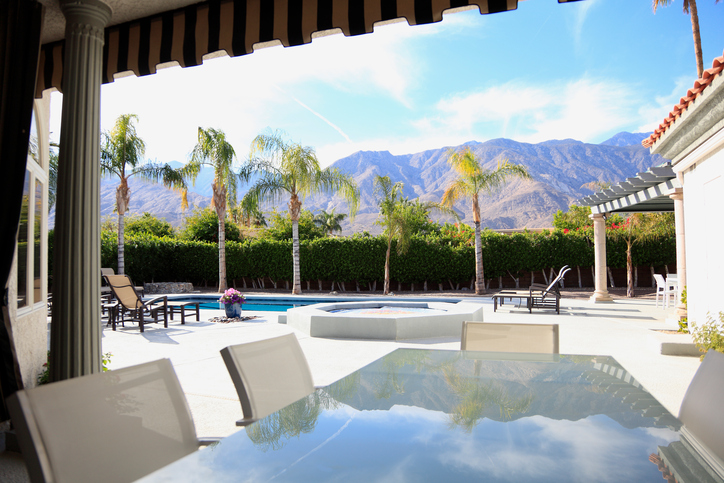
{"x": 115, "y": 426}
{"x": 268, "y": 375}
{"x": 493, "y": 337}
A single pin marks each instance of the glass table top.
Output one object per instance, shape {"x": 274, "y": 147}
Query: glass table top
{"x": 430, "y": 415}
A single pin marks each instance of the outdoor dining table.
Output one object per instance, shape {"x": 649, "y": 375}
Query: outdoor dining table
{"x": 435, "y": 415}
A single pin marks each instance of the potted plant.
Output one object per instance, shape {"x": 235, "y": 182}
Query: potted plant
{"x": 232, "y": 300}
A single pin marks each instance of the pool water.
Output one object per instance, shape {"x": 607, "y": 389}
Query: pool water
{"x": 282, "y": 304}
{"x": 247, "y": 306}
{"x": 386, "y": 310}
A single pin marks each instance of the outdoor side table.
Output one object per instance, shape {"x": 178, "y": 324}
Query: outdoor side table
{"x": 182, "y": 308}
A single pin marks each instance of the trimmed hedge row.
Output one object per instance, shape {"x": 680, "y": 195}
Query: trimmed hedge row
{"x": 434, "y": 259}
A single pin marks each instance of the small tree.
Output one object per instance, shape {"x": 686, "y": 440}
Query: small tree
{"x": 400, "y": 218}
{"x": 329, "y": 222}
{"x": 638, "y": 228}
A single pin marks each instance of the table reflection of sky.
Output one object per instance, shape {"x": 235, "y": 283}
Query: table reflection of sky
{"x": 418, "y": 415}
{"x": 414, "y": 444}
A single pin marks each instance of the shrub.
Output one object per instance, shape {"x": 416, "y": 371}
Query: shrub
{"x": 709, "y": 335}
{"x": 147, "y": 223}
{"x": 280, "y": 227}
{"x": 203, "y": 225}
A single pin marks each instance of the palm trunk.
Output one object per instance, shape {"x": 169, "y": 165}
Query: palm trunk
{"x": 479, "y": 274}
{"x": 121, "y": 244}
{"x": 297, "y": 284}
{"x": 222, "y": 253}
{"x": 697, "y": 38}
{"x": 629, "y": 272}
{"x": 387, "y": 267}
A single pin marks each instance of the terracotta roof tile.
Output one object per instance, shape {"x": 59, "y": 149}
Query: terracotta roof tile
{"x": 684, "y": 102}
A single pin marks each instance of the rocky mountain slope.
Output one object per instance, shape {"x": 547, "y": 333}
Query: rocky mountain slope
{"x": 559, "y": 167}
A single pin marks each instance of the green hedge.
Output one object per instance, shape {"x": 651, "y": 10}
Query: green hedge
{"x": 435, "y": 259}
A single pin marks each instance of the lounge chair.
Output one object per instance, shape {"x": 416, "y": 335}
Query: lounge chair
{"x": 268, "y": 375}
{"x": 114, "y": 426}
{"x": 129, "y": 301}
{"x": 528, "y": 338}
{"x": 537, "y": 296}
{"x": 106, "y": 290}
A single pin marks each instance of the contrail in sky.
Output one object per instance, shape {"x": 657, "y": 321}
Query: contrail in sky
{"x": 342, "y": 133}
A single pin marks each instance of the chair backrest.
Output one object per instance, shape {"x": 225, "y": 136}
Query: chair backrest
{"x": 113, "y": 426}
{"x": 124, "y": 291}
{"x": 554, "y": 284}
{"x": 701, "y": 410}
{"x": 107, "y": 271}
{"x": 492, "y": 337}
{"x": 660, "y": 282}
{"x": 268, "y": 374}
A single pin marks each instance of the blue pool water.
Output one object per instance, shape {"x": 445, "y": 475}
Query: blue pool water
{"x": 282, "y": 304}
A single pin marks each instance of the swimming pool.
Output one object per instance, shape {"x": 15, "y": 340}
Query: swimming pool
{"x": 282, "y": 303}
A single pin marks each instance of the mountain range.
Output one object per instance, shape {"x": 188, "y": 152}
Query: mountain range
{"x": 560, "y": 169}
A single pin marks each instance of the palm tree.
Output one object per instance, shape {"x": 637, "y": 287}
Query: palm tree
{"x": 398, "y": 216}
{"x": 122, "y": 153}
{"x": 472, "y": 180}
{"x": 212, "y": 149}
{"x": 290, "y": 169}
{"x": 393, "y": 218}
{"x": 690, "y": 8}
{"x": 329, "y": 222}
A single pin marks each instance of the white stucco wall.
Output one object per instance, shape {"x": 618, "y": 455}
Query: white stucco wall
{"x": 703, "y": 204}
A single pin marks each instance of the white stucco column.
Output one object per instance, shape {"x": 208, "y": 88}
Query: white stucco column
{"x": 75, "y": 336}
{"x": 678, "y": 197}
{"x": 599, "y": 243}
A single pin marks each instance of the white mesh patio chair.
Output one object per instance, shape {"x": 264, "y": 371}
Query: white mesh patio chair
{"x": 268, "y": 375}
{"x": 701, "y": 410}
{"x": 114, "y": 426}
{"x": 525, "y": 338}
{"x": 660, "y": 289}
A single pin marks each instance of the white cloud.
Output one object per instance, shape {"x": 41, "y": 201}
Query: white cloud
{"x": 580, "y": 109}
{"x": 653, "y": 113}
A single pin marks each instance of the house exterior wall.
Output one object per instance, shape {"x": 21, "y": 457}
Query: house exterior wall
{"x": 703, "y": 202}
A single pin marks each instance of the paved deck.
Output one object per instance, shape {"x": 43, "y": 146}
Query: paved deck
{"x": 628, "y": 330}
{"x": 625, "y": 329}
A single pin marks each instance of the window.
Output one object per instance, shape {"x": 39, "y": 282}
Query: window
{"x": 32, "y": 232}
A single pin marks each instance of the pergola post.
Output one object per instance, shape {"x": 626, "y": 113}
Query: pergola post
{"x": 678, "y": 197}
{"x": 75, "y": 335}
{"x": 599, "y": 243}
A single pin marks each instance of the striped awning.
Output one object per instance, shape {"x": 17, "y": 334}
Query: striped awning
{"x": 188, "y": 34}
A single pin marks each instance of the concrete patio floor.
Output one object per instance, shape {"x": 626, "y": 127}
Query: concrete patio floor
{"x": 630, "y": 330}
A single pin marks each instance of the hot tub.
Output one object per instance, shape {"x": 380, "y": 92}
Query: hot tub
{"x": 384, "y": 320}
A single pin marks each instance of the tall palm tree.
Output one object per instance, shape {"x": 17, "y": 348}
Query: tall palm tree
{"x": 329, "y": 222}
{"x": 212, "y": 149}
{"x": 472, "y": 180}
{"x": 398, "y": 216}
{"x": 290, "y": 169}
{"x": 690, "y": 8}
{"x": 122, "y": 153}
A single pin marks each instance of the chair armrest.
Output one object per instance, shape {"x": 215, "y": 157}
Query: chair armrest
{"x": 208, "y": 441}
{"x": 163, "y": 299}
{"x": 246, "y": 421}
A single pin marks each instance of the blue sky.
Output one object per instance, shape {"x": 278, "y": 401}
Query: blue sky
{"x": 585, "y": 70}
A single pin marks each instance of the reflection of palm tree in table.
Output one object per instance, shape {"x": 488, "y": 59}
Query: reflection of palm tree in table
{"x": 476, "y": 396}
